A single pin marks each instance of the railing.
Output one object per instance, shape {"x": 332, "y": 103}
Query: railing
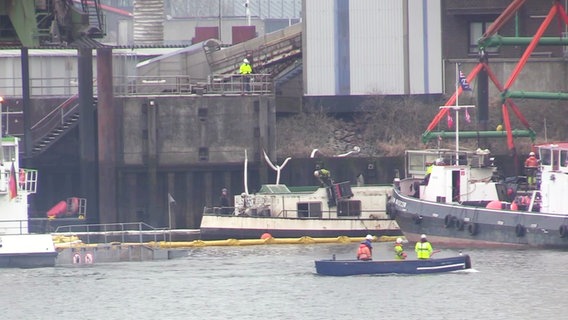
{"x": 13, "y": 227}
{"x": 138, "y": 232}
{"x": 55, "y": 118}
{"x": 142, "y": 85}
{"x": 291, "y": 214}
{"x": 236, "y": 84}
{"x": 185, "y": 85}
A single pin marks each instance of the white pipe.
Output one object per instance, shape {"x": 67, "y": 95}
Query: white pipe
{"x": 246, "y": 173}
{"x": 247, "y": 12}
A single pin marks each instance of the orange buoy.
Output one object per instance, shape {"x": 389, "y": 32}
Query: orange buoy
{"x": 266, "y": 235}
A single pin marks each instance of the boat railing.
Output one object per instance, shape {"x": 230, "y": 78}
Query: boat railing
{"x": 133, "y": 232}
{"x": 294, "y": 214}
{"x": 13, "y": 227}
{"x": 219, "y": 211}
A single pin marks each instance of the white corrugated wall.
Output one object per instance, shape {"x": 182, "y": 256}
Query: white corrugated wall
{"x": 425, "y": 46}
{"x": 377, "y": 49}
{"x": 320, "y": 45}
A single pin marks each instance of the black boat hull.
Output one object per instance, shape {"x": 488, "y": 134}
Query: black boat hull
{"x": 464, "y": 226}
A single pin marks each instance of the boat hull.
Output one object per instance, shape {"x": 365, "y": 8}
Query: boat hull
{"x": 27, "y": 251}
{"x": 28, "y": 260}
{"x": 216, "y": 227}
{"x": 463, "y": 226}
{"x": 357, "y": 267}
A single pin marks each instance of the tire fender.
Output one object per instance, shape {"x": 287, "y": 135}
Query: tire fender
{"x": 520, "y": 230}
{"x": 473, "y": 228}
{"x": 563, "y": 231}
{"x": 460, "y": 224}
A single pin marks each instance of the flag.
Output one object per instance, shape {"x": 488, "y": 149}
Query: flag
{"x": 450, "y": 121}
{"x": 467, "y": 117}
{"x": 171, "y": 199}
{"x": 463, "y": 82}
{"x": 13, "y": 187}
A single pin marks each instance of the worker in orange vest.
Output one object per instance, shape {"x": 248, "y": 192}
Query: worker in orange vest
{"x": 531, "y": 167}
{"x": 365, "y": 251}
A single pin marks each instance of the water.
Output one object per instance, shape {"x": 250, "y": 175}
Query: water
{"x": 279, "y": 282}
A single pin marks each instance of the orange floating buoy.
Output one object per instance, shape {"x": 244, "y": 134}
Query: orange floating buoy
{"x": 266, "y": 235}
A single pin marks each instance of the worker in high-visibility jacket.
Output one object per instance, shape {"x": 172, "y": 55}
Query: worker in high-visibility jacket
{"x": 399, "y": 250}
{"x": 245, "y": 71}
{"x": 423, "y": 248}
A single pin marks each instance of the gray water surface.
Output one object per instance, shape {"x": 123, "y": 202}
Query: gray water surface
{"x": 279, "y": 282}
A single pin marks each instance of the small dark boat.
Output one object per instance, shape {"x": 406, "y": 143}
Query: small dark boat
{"x": 355, "y": 267}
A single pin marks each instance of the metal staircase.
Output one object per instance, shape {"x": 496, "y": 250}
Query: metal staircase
{"x": 55, "y": 125}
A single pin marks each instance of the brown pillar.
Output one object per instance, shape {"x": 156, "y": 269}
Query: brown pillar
{"x": 107, "y": 138}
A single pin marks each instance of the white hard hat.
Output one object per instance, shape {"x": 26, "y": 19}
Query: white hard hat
{"x": 369, "y": 237}
{"x": 423, "y": 236}
{"x": 531, "y": 153}
{"x": 245, "y": 60}
{"x": 398, "y": 240}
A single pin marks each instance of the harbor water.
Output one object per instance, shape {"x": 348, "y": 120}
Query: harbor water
{"x": 279, "y": 282}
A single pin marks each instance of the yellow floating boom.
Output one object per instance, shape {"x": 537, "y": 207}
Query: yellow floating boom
{"x": 73, "y": 243}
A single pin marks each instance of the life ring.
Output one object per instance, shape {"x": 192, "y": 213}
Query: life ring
{"x": 460, "y": 224}
{"x": 89, "y": 258}
{"x": 563, "y": 231}
{"x": 473, "y": 228}
{"x": 417, "y": 219}
{"x": 449, "y": 220}
{"x": 76, "y": 258}
{"x": 520, "y": 230}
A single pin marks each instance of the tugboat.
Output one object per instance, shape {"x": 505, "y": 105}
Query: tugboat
{"x": 463, "y": 202}
{"x": 466, "y": 204}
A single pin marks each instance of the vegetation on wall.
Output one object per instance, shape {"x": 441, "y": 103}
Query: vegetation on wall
{"x": 387, "y": 127}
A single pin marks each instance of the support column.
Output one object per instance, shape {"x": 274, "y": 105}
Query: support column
{"x": 107, "y": 137}
{"x": 26, "y": 100}
{"x": 152, "y": 165}
{"x": 483, "y": 102}
{"x": 88, "y": 135}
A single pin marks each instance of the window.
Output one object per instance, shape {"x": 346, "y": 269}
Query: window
{"x": 545, "y": 157}
{"x": 476, "y": 31}
{"x": 563, "y": 158}
{"x": 9, "y": 154}
{"x": 309, "y": 209}
{"x": 349, "y": 208}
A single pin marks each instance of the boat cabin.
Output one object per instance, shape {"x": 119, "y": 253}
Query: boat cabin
{"x": 447, "y": 176}
{"x": 15, "y": 185}
{"x": 553, "y": 167}
{"x": 338, "y": 201}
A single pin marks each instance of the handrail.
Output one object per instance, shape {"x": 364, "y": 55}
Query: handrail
{"x": 184, "y": 85}
{"x": 55, "y": 111}
{"x": 113, "y": 229}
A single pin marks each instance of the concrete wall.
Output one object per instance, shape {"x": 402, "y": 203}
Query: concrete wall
{"x": 188, "y": 147}
{"x": 226, "y": 126}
